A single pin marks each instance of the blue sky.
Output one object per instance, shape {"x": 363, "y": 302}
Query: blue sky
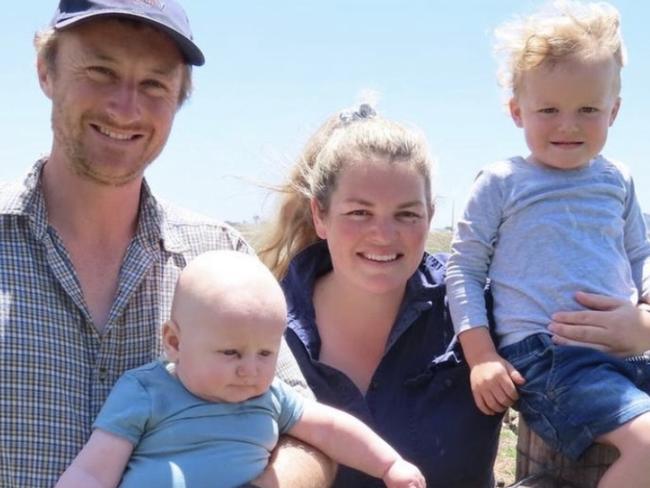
{"x": 276, "y": 70}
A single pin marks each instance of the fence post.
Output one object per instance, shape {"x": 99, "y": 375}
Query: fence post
{"x": 534, "y": 457}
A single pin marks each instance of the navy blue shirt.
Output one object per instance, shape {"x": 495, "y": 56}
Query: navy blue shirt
{"x": 419, "y": 399}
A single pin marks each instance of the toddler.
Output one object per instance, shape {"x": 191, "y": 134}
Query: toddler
{"x": 541, "y": 227}
{"x": 212, "y": 415}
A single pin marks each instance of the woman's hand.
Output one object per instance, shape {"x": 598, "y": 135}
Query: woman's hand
{"x": 611, "y": 325}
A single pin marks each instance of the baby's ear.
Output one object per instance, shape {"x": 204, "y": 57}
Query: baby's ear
{"x": 515, "y": 112}
{"x": 171, "y": 339}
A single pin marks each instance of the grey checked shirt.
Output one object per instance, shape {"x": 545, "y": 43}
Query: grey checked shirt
{"x": 56, "y": 369}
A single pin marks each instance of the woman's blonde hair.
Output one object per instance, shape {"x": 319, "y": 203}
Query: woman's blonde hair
{"x": 347, "y": 137}
{"x": 563, "y": 29}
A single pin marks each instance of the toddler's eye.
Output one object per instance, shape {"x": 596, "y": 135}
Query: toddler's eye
{"x": 547, "y": 110}
{"x": 230, "y": 352}
{"x": 589, "y": 110}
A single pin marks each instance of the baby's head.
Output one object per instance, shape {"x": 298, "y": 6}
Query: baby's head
{"x": 227, "y": 320}
{"x": 562, "y": 68}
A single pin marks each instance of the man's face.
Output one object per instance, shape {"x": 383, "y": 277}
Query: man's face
{"x": 114, "y": 90}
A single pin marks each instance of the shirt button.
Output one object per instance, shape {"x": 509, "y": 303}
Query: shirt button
{"x": 374, "y": 385}
{"x": 102, "y": 374}
{"x": 449, "y": 383}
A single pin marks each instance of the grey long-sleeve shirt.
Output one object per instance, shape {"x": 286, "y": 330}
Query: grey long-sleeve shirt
{"x": 541, "y": 234}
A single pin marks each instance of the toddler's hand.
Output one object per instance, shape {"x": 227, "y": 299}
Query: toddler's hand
{"x": 402, "y": 474}
{"x": 494, "y": 384}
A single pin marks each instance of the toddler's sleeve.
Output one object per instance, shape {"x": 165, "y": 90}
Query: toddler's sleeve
{"x": 637, "y": 245}
{"x": 472, "y": 249}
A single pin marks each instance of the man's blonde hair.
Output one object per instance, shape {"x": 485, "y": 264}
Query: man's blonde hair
{"x": 565, "y": 29}
{"x": 46, "y": 43}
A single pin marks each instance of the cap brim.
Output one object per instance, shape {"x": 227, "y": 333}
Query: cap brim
{"x": 189, "y": 50}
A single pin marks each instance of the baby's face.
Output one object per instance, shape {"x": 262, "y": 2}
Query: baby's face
{"x": 566, "y": 110}
{"x": 229, "y": 357}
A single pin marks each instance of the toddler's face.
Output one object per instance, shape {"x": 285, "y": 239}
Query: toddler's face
{"x": 229, "y": 356}
{"x": 566, "y": 110}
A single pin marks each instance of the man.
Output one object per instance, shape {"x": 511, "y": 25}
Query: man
{"x": 88, "y": 257}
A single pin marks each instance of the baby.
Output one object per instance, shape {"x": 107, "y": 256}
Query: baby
{"x": 212, "y": 415}
{"x": 542, "y": 227}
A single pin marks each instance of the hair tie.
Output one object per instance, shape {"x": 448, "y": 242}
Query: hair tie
{"x": 364, "y": 111}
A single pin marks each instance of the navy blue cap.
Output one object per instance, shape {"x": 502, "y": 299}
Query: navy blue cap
{"x": 167, "y": 15}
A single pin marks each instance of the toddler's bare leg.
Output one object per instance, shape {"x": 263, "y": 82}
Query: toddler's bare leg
{"x": 632, "y": 468}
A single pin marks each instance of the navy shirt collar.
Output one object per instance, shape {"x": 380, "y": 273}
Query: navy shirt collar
{"x": 315, "y": 261}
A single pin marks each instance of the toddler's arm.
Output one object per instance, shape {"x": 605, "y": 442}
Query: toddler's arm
{"x": 493, "y": 379}
{"x": 100, "y": 464}
{"x": 349, "y": 441}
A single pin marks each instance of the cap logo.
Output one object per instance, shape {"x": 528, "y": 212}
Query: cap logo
{"x": 154, "y": 3}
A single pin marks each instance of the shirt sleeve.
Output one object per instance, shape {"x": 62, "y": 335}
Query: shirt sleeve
{"x": 126, "y": 410}
{"x": 636, "y": 241}
{"x": 472, "y": 249}
{"x": 289, "y": 403}
{"x": 289, "y": 371}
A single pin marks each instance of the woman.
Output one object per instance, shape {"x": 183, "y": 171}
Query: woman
{"x": 367, "y": 321}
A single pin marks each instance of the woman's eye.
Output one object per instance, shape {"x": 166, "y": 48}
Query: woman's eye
{"x": 409, "y": 215}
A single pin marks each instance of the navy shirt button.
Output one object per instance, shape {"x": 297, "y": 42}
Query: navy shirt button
{"x": 374, "y": 385}
{"x": 449, "y": 382}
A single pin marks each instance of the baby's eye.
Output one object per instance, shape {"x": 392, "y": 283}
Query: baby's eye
{"x": 265, "y": 353}
{"x": 589, "y": 110}
{"x": 547, "y": 110}
{"x": 230, "y": 352}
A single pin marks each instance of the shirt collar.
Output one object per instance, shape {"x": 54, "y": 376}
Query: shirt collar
{"x": 25, "y": 198}
{"x": 315, "y": 260}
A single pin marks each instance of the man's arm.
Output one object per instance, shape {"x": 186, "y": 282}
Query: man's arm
{"x": 295, "y": 464}
{"x": 100, "y": 464}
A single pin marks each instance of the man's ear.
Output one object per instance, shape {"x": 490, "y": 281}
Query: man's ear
{"x": 44, "y": 76}
{"x": 318, "y": 217}
{"x": 515, "y": 112}
{"x": 171, "y": 339}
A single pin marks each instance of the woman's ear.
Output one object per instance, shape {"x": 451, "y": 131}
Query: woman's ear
{"x": 318, "y": 217}
{"x": 171, "y": 340}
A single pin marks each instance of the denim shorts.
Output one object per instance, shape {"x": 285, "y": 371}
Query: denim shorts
{"x": 573, "y": 395}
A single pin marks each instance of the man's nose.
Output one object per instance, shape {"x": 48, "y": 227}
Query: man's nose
{"x": 123, "y": 105}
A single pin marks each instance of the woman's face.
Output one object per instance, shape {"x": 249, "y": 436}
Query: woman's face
{"x": 376, "y": 225}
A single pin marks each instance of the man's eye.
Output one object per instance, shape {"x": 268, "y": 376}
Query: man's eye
{"x": 100, "y": 72}
{"x": 154, "y": 85}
